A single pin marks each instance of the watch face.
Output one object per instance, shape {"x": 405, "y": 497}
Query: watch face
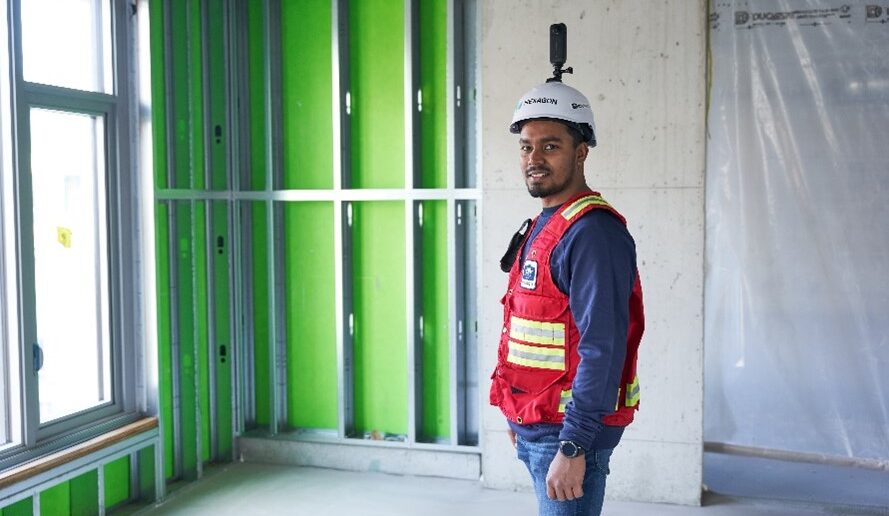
{"x": 569, "y": 449}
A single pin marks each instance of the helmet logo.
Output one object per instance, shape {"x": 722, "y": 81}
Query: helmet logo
{"x": 542, "y": 100}
{"x": 579, "y": 106}
{"x": 518, "y": 105}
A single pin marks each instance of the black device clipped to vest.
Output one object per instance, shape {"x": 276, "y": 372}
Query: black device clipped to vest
{"x": 515, "y": 243}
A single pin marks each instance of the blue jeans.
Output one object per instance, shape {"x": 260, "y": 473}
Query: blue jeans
{"x": 538, "y": 455}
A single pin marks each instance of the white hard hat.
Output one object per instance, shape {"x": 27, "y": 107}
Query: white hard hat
{"x": 556, "y": 101}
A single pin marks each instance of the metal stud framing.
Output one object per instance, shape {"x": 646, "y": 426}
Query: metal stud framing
{"x": 413, "y": 225}
{"x": 342, "y": 209}
{"x": 208, "y": 229}
{"x": 460, "y": 196}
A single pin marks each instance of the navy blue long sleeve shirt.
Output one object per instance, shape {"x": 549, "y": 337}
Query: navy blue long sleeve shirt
{"x": 595, "y": 265}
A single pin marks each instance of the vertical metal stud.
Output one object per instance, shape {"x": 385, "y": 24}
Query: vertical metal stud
{"x": 413, "y": 232}
{"x": 466, "y": 78}
{"x": 172, "y": 244}
{"x": 242, "y": 228}
{"x": 100, "y": 485}
{"x": 344, "y": 310}
{"x": 456, "y": 370}
{"x": 276, "y": 139}
{"x": 456, "y": 86}
{"x": 462, "y": 246}
{"x": 135, "y": 476}
{"x": 235, "y": 61}
{"x": 193, "y": 243}
{"x": 208, "y": 232}
{"x": 272, "y": 91}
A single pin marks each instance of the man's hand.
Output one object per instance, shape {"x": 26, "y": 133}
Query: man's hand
{"x": 511, "y": 436}
{"x": 564, "y": 481}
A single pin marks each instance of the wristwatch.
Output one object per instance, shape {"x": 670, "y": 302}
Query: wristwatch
{"x": 570, "y": 449}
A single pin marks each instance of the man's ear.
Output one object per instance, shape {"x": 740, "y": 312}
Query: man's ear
{"x": 581, "y": 153}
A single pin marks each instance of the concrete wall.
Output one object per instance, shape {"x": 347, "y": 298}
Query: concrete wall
{"x": 642, "y": 64}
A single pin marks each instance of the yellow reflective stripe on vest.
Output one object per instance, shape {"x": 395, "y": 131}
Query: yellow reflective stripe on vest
{"x": 537, "y": 332}
{"x": 632, "y": 393}
{"x": 564, "y": 398}
{"x": 582, "y": 203}
{"x": 533, "y": 356}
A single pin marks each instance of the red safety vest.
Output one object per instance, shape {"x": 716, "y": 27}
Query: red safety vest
{"x": 537, "y": 358}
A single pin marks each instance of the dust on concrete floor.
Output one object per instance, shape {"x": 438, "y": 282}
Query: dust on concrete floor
{"x": 264, "y": 489}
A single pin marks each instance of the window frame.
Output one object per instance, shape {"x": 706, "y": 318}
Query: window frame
{"x": 122, "y": 219}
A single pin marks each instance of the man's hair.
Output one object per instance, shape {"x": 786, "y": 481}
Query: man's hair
{"x": 574, "y": 130}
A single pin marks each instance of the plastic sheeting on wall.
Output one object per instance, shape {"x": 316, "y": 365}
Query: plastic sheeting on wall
{"x": 797, "y": 254}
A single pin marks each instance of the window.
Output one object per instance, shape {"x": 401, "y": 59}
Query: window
{"x": 68, "y": 206}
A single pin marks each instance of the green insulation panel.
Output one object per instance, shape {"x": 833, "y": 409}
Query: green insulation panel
{"x": 433, "y": 84}
{"x": 216, "y": 87}
{"x": 256, "y": 214}
{"x": 187, "y": 323}
{"x": 179, "y": 62}
{"x": 380, "y": 345}
{"x": 164, "y": 332}
{"x": 56, "y": 500}
{"x": 435, "y": 383}
{"x": 376, "y": 72}
{"x": 183, "y": 255}
{"x": 83, "y": 492}
{"x": 256, "y": 70}
{"x": 21, "y": 508}
{"x": 257, "y": 244}
{"x": 162, "y": 234}
{"x": 146, "y": 475}
{"x": 158, "y": 107}
{"x": 79, "y": 496}
{"x": 195, "y": 87}
{"x": 117, "y": 481}
{"x": 311, "y": 319}
{"x": 200, "y": 312}
{"x": 306, "y": 101}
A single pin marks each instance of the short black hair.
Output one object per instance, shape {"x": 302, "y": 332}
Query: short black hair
{"x": 575, "y": 130}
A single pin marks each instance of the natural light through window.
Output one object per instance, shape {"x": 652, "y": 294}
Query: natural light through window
{"x": 70, "y": 261}
{"x": 67, "y": 43}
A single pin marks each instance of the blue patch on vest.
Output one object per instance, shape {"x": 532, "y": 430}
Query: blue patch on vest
{"x": 529, "y": 275}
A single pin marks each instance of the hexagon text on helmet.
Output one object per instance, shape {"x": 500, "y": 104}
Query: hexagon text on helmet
{"x": 542, "y": 100}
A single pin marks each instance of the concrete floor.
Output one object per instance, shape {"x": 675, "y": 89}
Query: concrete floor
{"x": 262, "y": 489}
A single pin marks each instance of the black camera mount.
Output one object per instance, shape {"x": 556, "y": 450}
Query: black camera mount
{"x": 558, "y": 49}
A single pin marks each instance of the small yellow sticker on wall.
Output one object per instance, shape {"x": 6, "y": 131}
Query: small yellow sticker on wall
{"x": 64, "y": 237}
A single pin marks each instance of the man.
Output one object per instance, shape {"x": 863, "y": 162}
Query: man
{"x": 566, "y": 369}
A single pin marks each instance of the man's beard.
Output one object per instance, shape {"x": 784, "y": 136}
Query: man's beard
{"x": 541, "y": 190}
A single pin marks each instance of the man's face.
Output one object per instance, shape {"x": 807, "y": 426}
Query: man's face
{"x": 551, "y": 163}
